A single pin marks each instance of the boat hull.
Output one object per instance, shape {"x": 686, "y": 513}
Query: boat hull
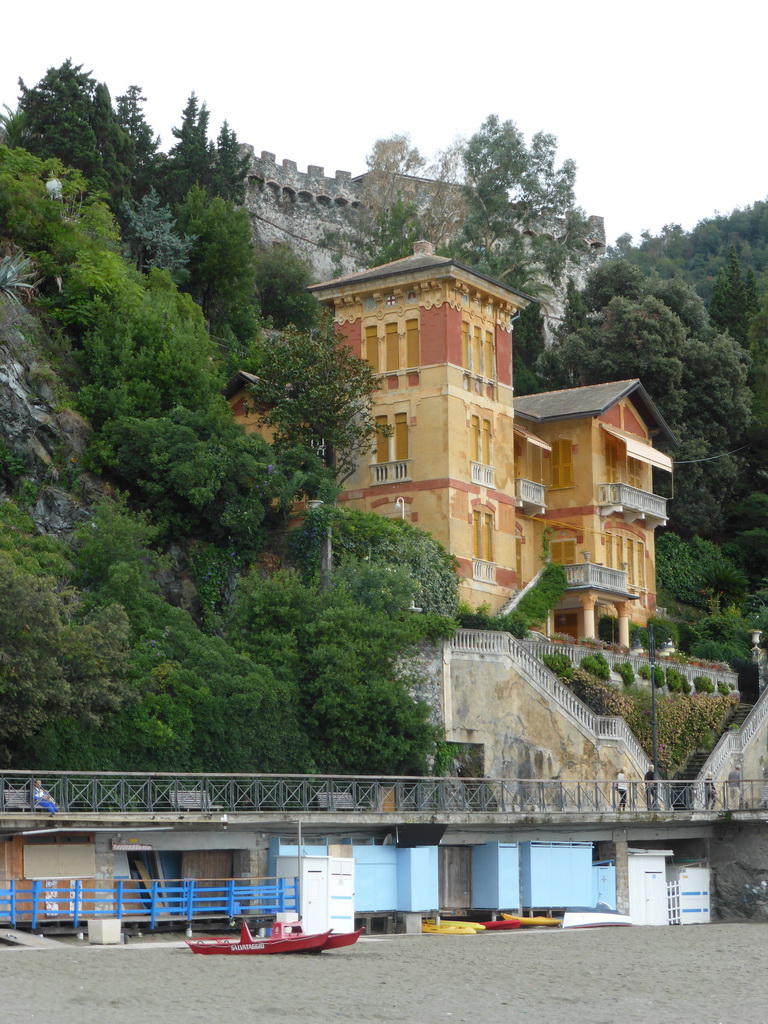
{"x": 247, "y": 945}
{"x": 591, "y": 917}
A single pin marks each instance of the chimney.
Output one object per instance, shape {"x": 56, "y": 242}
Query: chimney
{"x": 423, "y": 248}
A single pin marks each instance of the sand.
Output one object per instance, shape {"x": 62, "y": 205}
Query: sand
{"x": 701, "y": 974}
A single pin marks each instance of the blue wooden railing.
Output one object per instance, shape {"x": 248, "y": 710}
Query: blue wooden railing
{"x": 183, "y": 899}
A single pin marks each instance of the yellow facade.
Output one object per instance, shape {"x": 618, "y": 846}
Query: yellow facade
{"x": 439, "y": 336}
{"x": 601, "y": 511}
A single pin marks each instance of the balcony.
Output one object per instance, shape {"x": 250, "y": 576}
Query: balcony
{"x": 485, "y": 476}
{"x": 390, "y": 472}
{"x": 530, "y": 496}
{"x": 632, "y": 503}
{"x": 483, "y": 572}
{"x": 596, "y": 577}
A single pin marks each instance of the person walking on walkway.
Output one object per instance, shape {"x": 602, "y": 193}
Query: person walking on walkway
{"x": 710, "y": 792}
{"x": 734, "y": 788}
{"x": 621, "y": 786}
{"x": 652, "y": 788}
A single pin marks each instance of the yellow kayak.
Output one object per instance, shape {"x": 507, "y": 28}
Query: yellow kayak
{"x": 533, "y": 922}
{"x": 447, "y": 929}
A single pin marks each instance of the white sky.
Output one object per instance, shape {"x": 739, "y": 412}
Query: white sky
{"x": 661, "y": 103}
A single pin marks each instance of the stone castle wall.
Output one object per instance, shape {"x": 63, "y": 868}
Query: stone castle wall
{"x": 319, "y": 218}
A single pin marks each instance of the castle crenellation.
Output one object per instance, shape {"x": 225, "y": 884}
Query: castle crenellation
{"x": 316, "y": 215}
{"x": 312, "y": 181}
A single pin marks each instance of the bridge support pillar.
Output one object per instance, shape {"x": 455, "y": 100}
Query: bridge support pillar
{"x": 618, "y": 852}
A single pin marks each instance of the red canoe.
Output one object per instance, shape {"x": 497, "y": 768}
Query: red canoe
{"x": 500, "y": 925}
{"x": 248, "y": 945}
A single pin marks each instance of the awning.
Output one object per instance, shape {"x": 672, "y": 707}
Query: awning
{"x": 527, "y": 436}
{"x": 639, "y": 450}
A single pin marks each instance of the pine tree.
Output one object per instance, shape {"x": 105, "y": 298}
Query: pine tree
{"x": 728, "y": 307}
{"x": 231, "y": 168}
{"x": 191, "y": 161}
{"x": 131, "y": 118}
{"x": 59, "y": 112}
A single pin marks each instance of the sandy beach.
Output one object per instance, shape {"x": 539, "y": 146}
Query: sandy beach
{"x": 709, "y": 974}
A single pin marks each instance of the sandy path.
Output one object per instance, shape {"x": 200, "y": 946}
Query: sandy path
{"x": 708, "y": 974}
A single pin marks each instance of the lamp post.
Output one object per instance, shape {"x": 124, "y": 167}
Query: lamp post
{"x": 652, "y": 666}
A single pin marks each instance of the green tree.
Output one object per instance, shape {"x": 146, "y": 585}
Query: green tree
{"x": 728, "y": 306}
{"x": 190, "y": 160}
{"x": 347, "y": 660}
{"x": 312, "y": 390}
{"x": 281, "y": 280}
{"x": 221, "y": 259}
{"x": 151, "y": 235}
{"x": 659, "y": 332}
{"x": 69, "y": 115}
{"x": 230, "y": 167}
{"x": 146, "y": 144}
{"x": 510, "y": 189}
{"x": 145, "y": 357}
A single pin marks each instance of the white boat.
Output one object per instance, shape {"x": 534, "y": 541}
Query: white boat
{"x": 601, "y": 916}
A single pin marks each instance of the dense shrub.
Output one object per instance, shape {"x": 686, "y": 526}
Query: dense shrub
{"x": 703, "y": 684}
{"x": 542, "y": 598}
{"x": 627, "y": 672}
{"x": 675, "y": 680}
{"x": 596, "y": 665}
{"x": 560, "y": 664}
{"x": 723, "y": 688}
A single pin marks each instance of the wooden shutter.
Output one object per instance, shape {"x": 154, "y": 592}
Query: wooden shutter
{"x": 393, "y": 347}
{"x": 412, "y": 344}
{"x": 401, "y": 436}
{"x": 372, "y": 347}
{"x": 382, "y": 442}
{"x": 562, "y": 464}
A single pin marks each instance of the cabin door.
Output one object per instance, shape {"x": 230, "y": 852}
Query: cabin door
{"x": 455, "y": 872}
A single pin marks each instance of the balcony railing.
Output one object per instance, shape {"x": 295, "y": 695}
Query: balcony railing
{"x": 483, "y": 475}
{"x": 624, "y": 498}
{"x": 483, "y": 572}
{"x": 600, "y": 577}
{"x": 390, "y": 472}
{"x": 531, "y": 494}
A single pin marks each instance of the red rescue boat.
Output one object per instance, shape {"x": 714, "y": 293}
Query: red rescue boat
{"x": 285, "y": 938}
{"x": 247, "y": 945}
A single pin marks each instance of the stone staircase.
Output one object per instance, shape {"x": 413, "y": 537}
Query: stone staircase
{"x": 698, "y": 758}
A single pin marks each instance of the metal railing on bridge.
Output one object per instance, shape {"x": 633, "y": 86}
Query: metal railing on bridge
{"x": 78, "y": 793}
{"x": 155, "y": 900}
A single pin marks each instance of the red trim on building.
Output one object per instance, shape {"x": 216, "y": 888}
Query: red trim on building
{"x": 611, "y": 416}
{"x": 352, "y": 335}
{"x": 633, "y": 425}
{"x": 503, "y": 356}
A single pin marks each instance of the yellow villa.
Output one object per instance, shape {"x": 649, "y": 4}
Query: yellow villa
{"x": 601, "y": 512}
{"x": 495, "y": 479}
{"x": 439, "y": 334}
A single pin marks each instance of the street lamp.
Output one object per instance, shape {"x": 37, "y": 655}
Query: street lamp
{"x": 652, "y": 666}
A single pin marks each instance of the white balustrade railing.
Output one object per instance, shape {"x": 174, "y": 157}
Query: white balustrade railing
{"x": 575, "y": 652}
{"x": 483, "y": 475}
{"x": 587, "y": 574}
{"x": 390, "y": 472}
{"x": 530, "y": 492}
{"x": 632, "y": 498}
{"x": 734, "y": 742}
{"x": 539, "y": 676}
{"x": 484, "y": 572}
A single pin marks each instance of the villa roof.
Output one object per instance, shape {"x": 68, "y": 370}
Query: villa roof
{"x": 593, "y": 400}
{"x": 420, "y": 263}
